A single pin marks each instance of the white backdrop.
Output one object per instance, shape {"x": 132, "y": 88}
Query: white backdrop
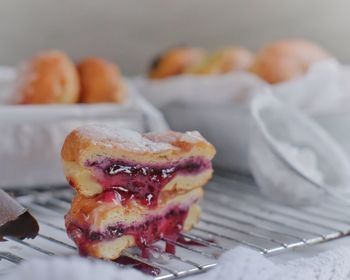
{"x": 130, "y": 32}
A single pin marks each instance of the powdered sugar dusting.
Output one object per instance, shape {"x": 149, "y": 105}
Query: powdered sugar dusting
{"x": 192, "y": 137}
{"x": 24, "y": 79}
{"x": 127, "y": 139}
{"x": 173, "y": 137}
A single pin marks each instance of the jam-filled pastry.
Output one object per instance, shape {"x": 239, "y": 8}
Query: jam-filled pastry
{"x": 174, "y": 61}
{"x": 103, "y": 226}
{"x": 100, "y": 81}
{"x": 133, "y": 189}
{"x": 98, "y": 158}
{"x": 223, "y": 61}
{"x": 49, "y": 77}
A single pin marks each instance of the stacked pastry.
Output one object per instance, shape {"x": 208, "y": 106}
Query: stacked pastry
{"x": 132, "y": 189}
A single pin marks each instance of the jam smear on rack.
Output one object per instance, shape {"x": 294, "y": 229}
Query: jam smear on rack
{"x": 145, "y": 268}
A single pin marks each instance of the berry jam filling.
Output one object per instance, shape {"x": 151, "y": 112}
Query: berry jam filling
{"x": 168, "y": 225}
{"x": 144, "y": 183}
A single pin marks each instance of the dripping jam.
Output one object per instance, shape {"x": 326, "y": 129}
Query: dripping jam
{"x": 146, "y": 233}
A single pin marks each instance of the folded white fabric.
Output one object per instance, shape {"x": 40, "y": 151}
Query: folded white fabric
{"x": 246, "y": 264}
{"x": 237, "y": 264}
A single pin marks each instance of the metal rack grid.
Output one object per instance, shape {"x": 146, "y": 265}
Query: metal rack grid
{"x": 233, "y": 214}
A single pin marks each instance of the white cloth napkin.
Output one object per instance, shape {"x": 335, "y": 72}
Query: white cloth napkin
{"x": 246, "y": 264}
{"x": 66, "y": 268}
{"x": 237, "y": 264}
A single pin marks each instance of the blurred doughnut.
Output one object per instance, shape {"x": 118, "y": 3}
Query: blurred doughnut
{"x": 100, "y": 81}
{"x": 174, "y": 62}
{"x": 287, "y": 59}
{"x": 49, "y": 77}
{"x": 224, "y": 61}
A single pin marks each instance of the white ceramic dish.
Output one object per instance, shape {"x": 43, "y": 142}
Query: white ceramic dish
{"x": 218, "y": 106}
{"x": 229, "y": 130}
{"x": 32, "y": 135}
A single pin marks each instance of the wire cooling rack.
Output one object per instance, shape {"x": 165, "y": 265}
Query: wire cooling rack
{"x": 234, "y": 214}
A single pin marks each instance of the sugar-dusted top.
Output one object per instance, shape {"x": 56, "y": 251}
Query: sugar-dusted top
{"x": 101, "y": 140}
{"x": 192, "y": 137}
{"x": 125, "y": 138}
{"x": 173, "y": 137}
